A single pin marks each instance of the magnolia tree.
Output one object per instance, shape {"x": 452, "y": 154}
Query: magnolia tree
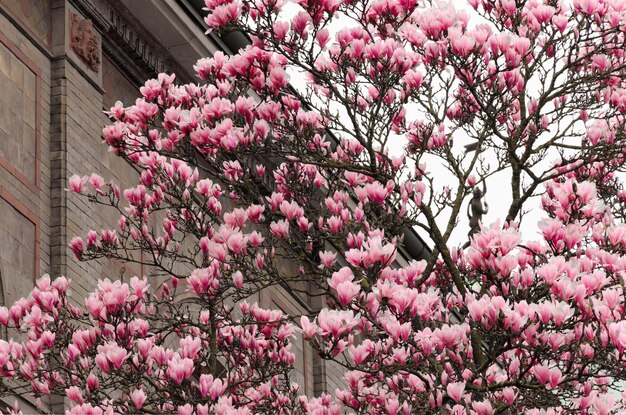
{"x": 243, "y": 177}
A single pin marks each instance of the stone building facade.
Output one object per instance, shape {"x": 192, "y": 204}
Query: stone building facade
{"x": 62, "y": 62}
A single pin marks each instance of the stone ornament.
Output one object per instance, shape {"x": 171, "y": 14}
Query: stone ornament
{"x": 475, "y": 211}
{"x": 84, "y": 41}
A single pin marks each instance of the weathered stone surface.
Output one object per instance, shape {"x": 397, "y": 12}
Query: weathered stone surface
{"x": 17, "y": 251}
{"x": 18, "y": 114}
{"x": 117, "y": 87}
{"x": 34, "y": 14}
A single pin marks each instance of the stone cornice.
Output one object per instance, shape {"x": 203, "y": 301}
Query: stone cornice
{"x": 132, "y": 48}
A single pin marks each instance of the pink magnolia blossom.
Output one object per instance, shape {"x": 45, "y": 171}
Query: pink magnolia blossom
{"x": 211, "y": 387}
{"x": 455, "y": 391}
{"x": 138, "y": 397}
{"x": 77, "y": 183}
{"x": 179, "y": 368}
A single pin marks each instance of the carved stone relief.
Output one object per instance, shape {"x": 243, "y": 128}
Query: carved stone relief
{"x": 84, "y": 41}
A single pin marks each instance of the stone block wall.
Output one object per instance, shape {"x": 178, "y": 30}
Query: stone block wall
{"x": 24, "y": 165}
